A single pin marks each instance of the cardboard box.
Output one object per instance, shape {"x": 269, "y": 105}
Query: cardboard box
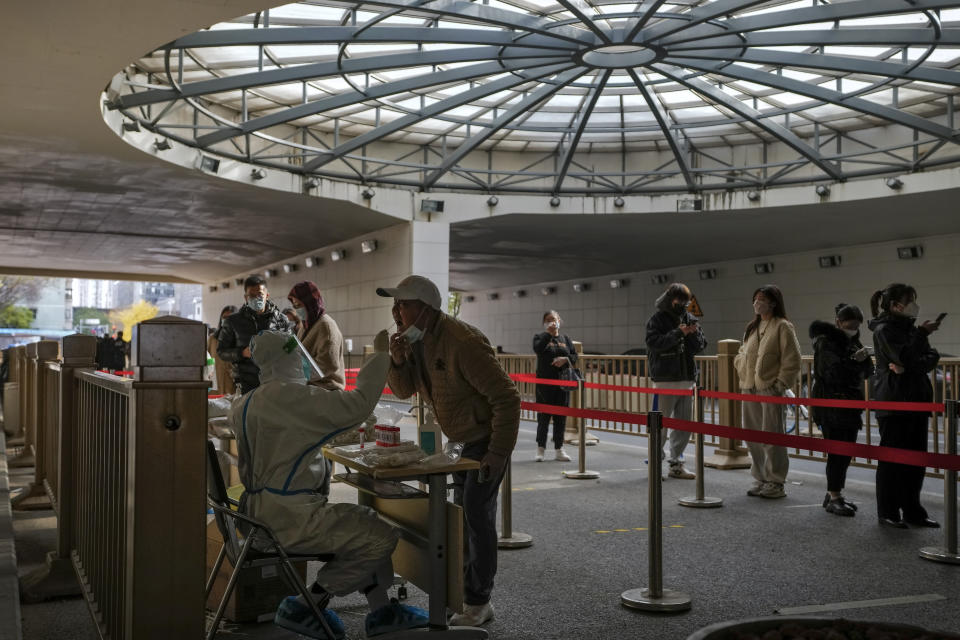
{"x": 258, "y": 591}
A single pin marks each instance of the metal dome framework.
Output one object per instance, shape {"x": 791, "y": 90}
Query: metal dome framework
{"x": 670, "y": 95}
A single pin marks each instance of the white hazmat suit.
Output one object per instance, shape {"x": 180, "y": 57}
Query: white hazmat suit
{"x": 280, "y": 428}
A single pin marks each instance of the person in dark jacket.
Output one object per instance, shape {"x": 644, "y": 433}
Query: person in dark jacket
{"x": 674, "y": 337}
{"x": 258, "y": 314}
{"x": 904, "y": 361}
{"x": 555, "y": 353}
{"x": 840, "y": 365}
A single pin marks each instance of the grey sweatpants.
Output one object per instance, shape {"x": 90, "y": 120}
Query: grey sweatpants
{"x": 678, "y": 408}
{"x": 770, "y": 462}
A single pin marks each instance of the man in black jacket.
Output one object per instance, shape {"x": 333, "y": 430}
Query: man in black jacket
{"x": 258, "y": 314}
{"x": 674, "y": 337}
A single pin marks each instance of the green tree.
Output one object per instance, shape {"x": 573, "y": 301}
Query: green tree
{"x": 84, "y": 313}
{"x": 453, "y": 304}
{"x": 16, "y": 317}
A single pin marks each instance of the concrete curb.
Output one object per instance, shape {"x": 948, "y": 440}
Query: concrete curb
{"x": 9, "y": 584}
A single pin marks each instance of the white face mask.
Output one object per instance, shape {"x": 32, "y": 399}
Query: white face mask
{"x": 761, "y": 308}
{"x": 413, "y": 333}
{"x": 551, "y": 325}
{"x": 301, "y": 313}
{"x": 850, "y": 332}
{"x": 912, "y": 310}
{"x": 257, "y": 304}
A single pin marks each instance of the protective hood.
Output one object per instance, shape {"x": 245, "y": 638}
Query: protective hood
{"x": 278, "y": 356}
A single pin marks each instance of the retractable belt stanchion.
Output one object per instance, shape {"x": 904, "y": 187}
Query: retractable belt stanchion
{"x": 509, "y": 539}
{"x": 948, "y": 553}
{"x": 699, "y": 500}
{"x": 581, "y": 473}
{"x": 655, "y": 597}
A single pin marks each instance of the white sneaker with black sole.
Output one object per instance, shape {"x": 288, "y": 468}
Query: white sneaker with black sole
{"x": 473, "y": 615}
{"x": 561, "y": 455}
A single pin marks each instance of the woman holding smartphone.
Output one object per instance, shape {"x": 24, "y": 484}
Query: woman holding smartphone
{"x": 555, "y": 352}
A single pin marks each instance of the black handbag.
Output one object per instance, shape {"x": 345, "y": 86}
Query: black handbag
{"x": 571, "y": 374}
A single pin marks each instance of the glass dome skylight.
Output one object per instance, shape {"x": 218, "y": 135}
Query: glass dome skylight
{"x": 575, "y": 96}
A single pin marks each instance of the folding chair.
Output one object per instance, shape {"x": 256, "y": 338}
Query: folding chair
{"x": 239, "y": 532}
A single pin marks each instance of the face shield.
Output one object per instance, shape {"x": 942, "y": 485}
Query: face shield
{"x": 281, "y": 356}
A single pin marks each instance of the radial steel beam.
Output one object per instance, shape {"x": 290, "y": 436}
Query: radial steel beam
{"x": 866, "y": 36}
{"x": 719, "y": 97}
{"x": 352, "y": 97}
{"x": 358, "y": 35}
{"x": 481, "y": 91}
{"x": 631, "y": 30}
{"x": 299, "y": 73}
{"x": 663, "y": 120}
{"x": 585, "y": 19}
{"x": 697, "y": 16}
{"x": 817, "y": 92}
{"x": 823, "y": 13}
{"x": 585, "y": 112}
{"x": 517, "y": 110}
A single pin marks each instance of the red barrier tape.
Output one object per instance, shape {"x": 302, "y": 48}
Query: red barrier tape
{"x": 527, "y": 377}
{"x": 872, "y": 452}
{"x": 823, "y": 402}
{"x": 386, "y": 390}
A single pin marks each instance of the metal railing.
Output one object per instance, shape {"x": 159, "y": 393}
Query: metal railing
{"x": 48, "y": 430}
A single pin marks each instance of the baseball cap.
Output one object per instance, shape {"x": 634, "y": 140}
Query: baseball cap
{"x": 414, "y": 288}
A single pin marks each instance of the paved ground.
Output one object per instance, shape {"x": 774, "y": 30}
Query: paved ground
{"x": 750, "y": 558}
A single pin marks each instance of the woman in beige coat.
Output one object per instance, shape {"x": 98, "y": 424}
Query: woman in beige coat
{"x": 320, "y": 335}
{"x": 768, "y": 364}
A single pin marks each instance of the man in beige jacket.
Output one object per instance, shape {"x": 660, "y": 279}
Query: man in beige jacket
{"x": 456, "y": 371}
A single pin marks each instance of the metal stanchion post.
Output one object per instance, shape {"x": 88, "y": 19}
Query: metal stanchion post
{"x": 581, "y": 473}
{"x": 509, "y": 539}
{"x": 699, "y": 500}
{"x": 948, "y": 553}
{"x": 655, "y": 597}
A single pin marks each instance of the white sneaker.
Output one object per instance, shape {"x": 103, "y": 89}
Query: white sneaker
{"x": 772, "y": 490}
{"x": 539, "y": 456}
{"x": 679, "y": 471}
{"x": 561, "y": 455}
{"x": 473, "y": 615}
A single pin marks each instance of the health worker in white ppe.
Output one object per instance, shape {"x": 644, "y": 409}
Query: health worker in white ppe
{"x": 281, "y": 426}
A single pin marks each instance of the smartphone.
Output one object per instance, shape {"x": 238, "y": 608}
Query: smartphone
{"x": 941, "y": 317}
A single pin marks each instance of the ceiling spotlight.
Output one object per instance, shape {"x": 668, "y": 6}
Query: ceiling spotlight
{"x": 290, "y": 267}
{"x": 311, "y": 183}
{"x": 368, "y": 246}
{"x": 132, "y": 125}
{"x": 660, "y": 278}
{"x": 520, "y": 293}
{"x": 213, "y": 288}
{"x": 823, "y": 190}
{"x": 909, "y": 253}
{"x": 492, "y": 201}
{"x": 548, "y": 290}
{"x": 618, "y": 284}
{"x": 708, "y": 274}
{"x": 555, "y": 201}
{"x": 894, "y": 183}
{"x": 238, "y": 281}
{"x": 161, "y": 145}
{"x": 368, "y": 193}
{"x": 338, "y": 254}
{"x": 258, "y": 173}
{"x": 763, "y": 267}
{"x": 827, "y": 262}
{"x": 753, "y": 196}
{"x": 209, "y": 163}
{"x": 580, "y": 287}
{"x": 493, "y": 296}
{"x": 470, "y": 298}
{"x": 270, "y": 273}
{"x": 618, "y": 202}
{"x": 312, "y": 261}
{"x": 224, "y": 285}
{"x": 431, "y": 206}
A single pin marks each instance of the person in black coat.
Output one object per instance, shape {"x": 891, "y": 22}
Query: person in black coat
{"x": 674, "y": 337}
{"x": 904, "y": 362}
{"x": 258, "y": 314}
{"x": 840, "y": 365}
{"x": 555, "y": 353}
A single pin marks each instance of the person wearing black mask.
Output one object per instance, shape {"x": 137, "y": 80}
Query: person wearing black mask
{"x": 224, "y": 375}
{"x": 674, "y": 337}
{"x": 904, "y": 362}
{"x": 258, "y": 314}
{"x": 840, "y": 365}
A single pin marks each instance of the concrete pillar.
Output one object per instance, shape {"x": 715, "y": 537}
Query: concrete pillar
{"x": 430, "y": 253}
{"x": 730, "y": 454}
{"x": 34, "y": 496}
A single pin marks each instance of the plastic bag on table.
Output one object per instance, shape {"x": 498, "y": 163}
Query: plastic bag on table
{"x": 217, "y": 407}
{"x": 362, "y": 432}
{"x": 450, "y": 455}
{"x": 219, "y": 427}
{"x": 406, "y": 453}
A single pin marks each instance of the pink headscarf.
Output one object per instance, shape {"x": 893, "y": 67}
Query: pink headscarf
{"x": 309, "y": 296}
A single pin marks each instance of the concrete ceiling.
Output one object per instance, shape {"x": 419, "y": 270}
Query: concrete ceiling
{"x": 518, "y": 249}
{"x": 75, "y": 197}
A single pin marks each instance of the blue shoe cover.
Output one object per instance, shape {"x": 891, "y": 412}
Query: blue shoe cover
{"x": 299, "y": 618}
{"x": 395, "y": 617}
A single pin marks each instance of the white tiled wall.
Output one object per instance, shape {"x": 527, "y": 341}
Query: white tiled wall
{"x": 613, "y": 320}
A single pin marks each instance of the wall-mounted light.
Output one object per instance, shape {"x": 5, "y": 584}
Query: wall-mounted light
{"x": 161, "y": 145}
{"x": 822, "y": 190}
{"x": 270, "y": 273}
{"x": 238, "y": 281}
{"x": 290, "y": 267}
{"x": 895, "y": 183}
{"x": 213, "y": 288}
{"x": 224, "y": 285}
{"x": 431, "y": 206}
{"x": 909, "y": 253}
{"x": 470, "y": 298}
{"x": 520, "y": 293}
{"x": 131, "y": 125}
{"x": 660, "y": 278}
{"x": 258, "y": 173}
{"x": 312, "y": 261}
{"x": 493, "y": 201}
{"x": 753, "y": 196}
{"x": 368, "y": 246}
{"x": 618, "y": 202}
{"x": 338, "y": 254}
{"x": 493, "y": 296}
{"x": 368, "y": 193}
{"x": 690, "y": 204}
{"x": 827, "y": 262}
{"x": 618, "y": 284}
{"x": 580, "y": 287}
{"x": 311, "y": 183}
{"x": 708, "y": 274}
{"x": 555, "y": 201}
{"x": 548, "y": 290}
{"x": 209, "y": 163}
{"x": 763, "y": 267}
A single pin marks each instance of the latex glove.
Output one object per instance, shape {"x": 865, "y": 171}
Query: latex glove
{"x": 381, "y": 342}
{"x": 491, "y": 466}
